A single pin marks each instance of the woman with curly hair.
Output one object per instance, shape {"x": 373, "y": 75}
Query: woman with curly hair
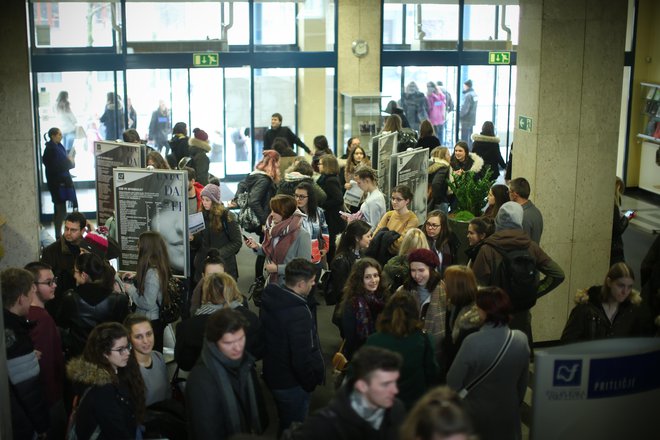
{"x": 151, "y": 278}
{"x": 497, "y": 196}
{"x": 612, "y": 310}
{"x": 112, "y": 402}
{"x": 222, "y": 233}
{"x": 400, "y": 330}
{"x": 156, "y": 160}
{"x": 364, "y": 299}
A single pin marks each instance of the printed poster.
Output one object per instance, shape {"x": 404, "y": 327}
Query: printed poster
{"x": 412, "y": 171}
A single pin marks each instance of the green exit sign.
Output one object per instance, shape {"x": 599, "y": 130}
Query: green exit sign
{"x": 525, "y": 123}
{"x": 499, "y": 57}
{"x": 206, "y": 59}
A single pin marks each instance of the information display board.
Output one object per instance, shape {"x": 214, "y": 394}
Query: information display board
{"x": 412, "y": 171}
{"x": 386, "y": 147}
{"x": 107, "y": 156}
{"x": 607, "y": 389}
{"x": 152, "y": 200}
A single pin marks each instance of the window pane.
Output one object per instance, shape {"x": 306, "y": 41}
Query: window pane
{"x": 237, "y": 120}
{"x": 316, "y": 105}
{"x": 200, "y": 22}
{"x": 299, "y": 26}
{"x": 74, "y": 24}
{"x": 428, "y": 26}
{"x": 490, "y": 27}
{"x": 494, "y": 99}
{"x": 86, "y": 94}
{"x": 149, "y": 95}
{"x": 274, "y": 92}
{"x": 206, "y": 112}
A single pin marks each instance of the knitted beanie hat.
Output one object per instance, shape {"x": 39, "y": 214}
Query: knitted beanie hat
{"x": 510, "y": 216}
{"x": 212, "y": 191}
{"x": 425, "y": 256}
{"x": 201, "y": 134}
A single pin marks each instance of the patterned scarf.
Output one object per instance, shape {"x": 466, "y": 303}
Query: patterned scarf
{"x": 367, "y": 307}
{"x": 287, "y": 231}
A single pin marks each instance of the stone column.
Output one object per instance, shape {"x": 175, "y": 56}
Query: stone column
{"x": 19, "y": 205}
{"x": 358, "y": 19}
{"x": 570, "y": 67}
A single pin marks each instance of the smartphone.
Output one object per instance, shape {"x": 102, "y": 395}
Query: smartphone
{"x": 629, "y": 213}
{"x": 245, "y": 237}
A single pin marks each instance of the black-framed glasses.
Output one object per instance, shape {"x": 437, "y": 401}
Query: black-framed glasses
{"x": 121, "y": 350}
{"x": 300, "y": 196}
{"x": 48, "y": 283}
{"x": 432, "y": 225}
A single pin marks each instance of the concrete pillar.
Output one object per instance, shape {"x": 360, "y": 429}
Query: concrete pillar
{"x": 18, "y": 177}
{"x": 358, "y": 19}
{"x": 570, "y": 67}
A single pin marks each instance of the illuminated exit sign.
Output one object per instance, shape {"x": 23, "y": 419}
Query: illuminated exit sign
{"x": 499, "y": 57}
{"x": 206, "y": 59}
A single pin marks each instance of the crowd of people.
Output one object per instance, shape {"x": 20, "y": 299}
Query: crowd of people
{"x": 417, "y": 327}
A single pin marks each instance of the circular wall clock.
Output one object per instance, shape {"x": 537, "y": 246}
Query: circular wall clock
{"x": 360, "y": 48}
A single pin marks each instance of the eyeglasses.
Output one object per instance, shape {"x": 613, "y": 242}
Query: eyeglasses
{"x": 48, "y": 283}
{"x": 122, "y": 350}
{"x": 300, "y": 197}
{"x": 432, "y": 225}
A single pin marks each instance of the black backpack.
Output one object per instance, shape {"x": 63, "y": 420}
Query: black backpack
{"x": 518, "y": 276}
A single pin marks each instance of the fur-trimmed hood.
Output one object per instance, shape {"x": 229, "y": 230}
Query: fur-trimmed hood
{"x": 592, "y": 294}
{"x": 84, "y": 372}
{"x": 483, "y": 138}
{"x": 202, "y": 145}
{"x": 468, "y": 319}
{"x": 295, "y": 176}
{"x": 478, "y": 163}
{"x": 436, "y": 163}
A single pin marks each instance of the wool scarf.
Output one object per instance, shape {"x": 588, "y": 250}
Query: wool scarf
{"x": 366, "y": 308}
{"x": 234, "y": 380}
{"x": 286, "y": 231}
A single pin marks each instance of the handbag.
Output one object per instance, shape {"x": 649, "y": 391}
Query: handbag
{"x": 170, "y": 311}
{"x": 256, "y": 290}
{"x": 507, "y": 343}
{"x": 339, "y": 361}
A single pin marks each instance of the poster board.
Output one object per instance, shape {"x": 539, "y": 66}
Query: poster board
{"x": 152, "y": 200}
{"x": 412, "y": 171}
{"x": 107, "y": 156}
{"x": 598, "y": 389}
{"x": 386, "y": 147}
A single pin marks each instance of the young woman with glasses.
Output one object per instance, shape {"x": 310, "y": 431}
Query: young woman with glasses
{"x": 441, "y": 238}
{"x": 400, "y": 219}
{"x": 111, "y": 389}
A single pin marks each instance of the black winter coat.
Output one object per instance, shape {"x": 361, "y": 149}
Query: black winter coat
{"x": 29, "y": 409}
{"x": 180, "y": 147}
{"x": 107, "y": 405}
{"x": 61, "y": 257}
{"x": 262, "y": 188}
{"x": 228, "y": 241}
{"x": 438, "y": 178}
{"x": 488, "y": 147}
{"x": 338, "y": 421}
{"x": 292, "y": 354}
{"x": 334, "y": 202}
{"x": 83, "y": 308}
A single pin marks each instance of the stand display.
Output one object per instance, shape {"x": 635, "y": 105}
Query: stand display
{"x": 362, "y": 118}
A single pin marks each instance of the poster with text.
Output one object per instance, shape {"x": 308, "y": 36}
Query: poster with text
{"x": 412, "y": 171}
{"x": 152, "y": 200}
{"x": 109, "y": 155}
{"x": 386, "y": 147}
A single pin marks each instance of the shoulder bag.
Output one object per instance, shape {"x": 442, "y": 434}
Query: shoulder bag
{"x": 507, "y": 343}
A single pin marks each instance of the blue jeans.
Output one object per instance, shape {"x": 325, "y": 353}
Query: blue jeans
{"x": 292, "y": 406}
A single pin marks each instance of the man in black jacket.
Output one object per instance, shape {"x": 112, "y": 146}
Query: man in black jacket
{"x": 61, "y": 256}
{"x": 366, "y": 407}
{"x": 223, "y": 396}
{"x": 276, "y": 130}
{"x": 293, "y": 362}
{"x": 29, "y": 410}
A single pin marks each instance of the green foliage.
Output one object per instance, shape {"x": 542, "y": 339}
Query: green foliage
{"x": 470, "y": 192}
{"x": 463, "y": 216}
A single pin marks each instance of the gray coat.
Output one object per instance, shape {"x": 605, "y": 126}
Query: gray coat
{"x": 300, "y": 248}
{"x": 532, "y": 221}
{"x": 494, "y": 404}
